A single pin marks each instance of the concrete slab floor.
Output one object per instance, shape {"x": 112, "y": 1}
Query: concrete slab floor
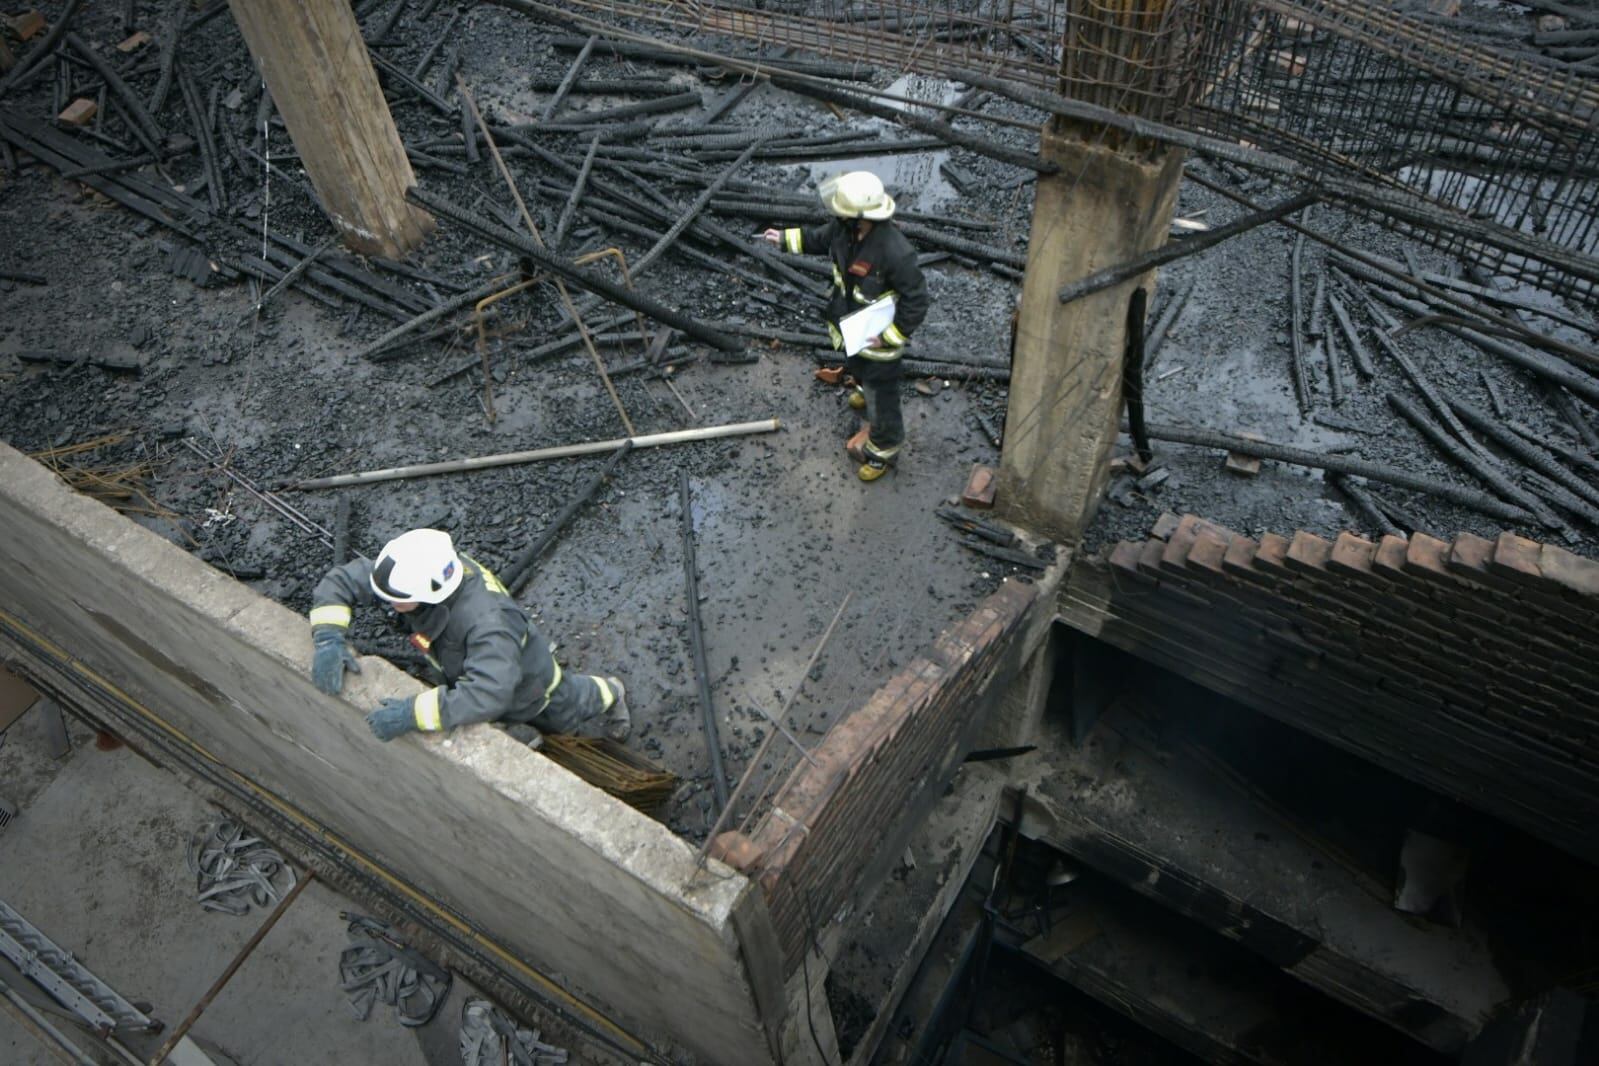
{"x": 95, "y": 859}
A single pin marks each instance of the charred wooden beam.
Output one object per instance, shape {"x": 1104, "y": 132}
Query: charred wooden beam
{"x": 696, "y": 632}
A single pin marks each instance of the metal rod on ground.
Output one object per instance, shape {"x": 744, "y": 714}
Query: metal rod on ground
{"x": 1174, "y": 250}
{"x": 694, "y": 209}
{"x": 1133, "y": 375}
{"x": 766, "y": 742}
{"x": 564, "y": 451}
{"x": 555, "y": 265}
{"x": 1339, "y": 464}
{"x": 1296, "y": 351}
{"x": 404, "y": 329}
{"x": 1524, "y": 451}
{"x": 1375, "y": 264}
{"x": 560, "y": 286}
{"x": 1435, "y": 400}
{"x": 292, "y": 275}
{"x": 905, "y": 117}
{"x": 293, "y": 514}
{"x": 1163, "y": 324}
{"x": 696, "y": 635}
{"x": 341, "y": 530}
{"x": 447, "y": 34}
{"x": 790, "y": 737}
{"x": 571, "y": 76}
{"x": 1472, "y": 464}
{"x": 184, "y": 1026}
{"x": 578, "y": 185}
{"x": 1335, "y": 370}
{"x": 1365, "y": 504}
{"x": 1357, "y": 349}
{"x": 521, "y": 570}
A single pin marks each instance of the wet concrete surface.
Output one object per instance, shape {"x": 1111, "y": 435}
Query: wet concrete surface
{"x": 784, "y": 528}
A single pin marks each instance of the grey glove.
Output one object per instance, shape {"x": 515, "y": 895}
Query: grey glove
{"x": 332, "y": 656}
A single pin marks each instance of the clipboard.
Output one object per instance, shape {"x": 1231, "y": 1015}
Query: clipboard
{"x": 863, "y": 323}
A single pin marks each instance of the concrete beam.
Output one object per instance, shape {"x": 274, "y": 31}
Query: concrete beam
{"x": 561, "y": 878}
{"x": 1102, "y": 207}
{"x": 316, "y": 66}
{"x": 1179, "y": 834}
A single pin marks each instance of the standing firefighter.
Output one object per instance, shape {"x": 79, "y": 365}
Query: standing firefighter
{"x": 871, "y": 260}
{"x": 495, "y": 663}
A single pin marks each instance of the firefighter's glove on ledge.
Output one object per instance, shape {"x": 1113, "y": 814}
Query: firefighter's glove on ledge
{"x": 331, "y": 659}
{"x": 394, "y": 717}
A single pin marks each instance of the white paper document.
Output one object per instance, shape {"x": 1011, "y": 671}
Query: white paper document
{"x": 858, "y": 327}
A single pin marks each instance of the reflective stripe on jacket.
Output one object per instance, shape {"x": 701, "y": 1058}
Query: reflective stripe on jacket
{"x": 884, "y": 264}
{"x": 494, "y": 661}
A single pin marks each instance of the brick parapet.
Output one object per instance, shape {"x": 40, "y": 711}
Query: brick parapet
{"x": 1471, "y": 664}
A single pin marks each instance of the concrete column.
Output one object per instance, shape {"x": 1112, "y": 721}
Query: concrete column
{"x": 1105, "y": 205}
{"x": 317, "y": 68}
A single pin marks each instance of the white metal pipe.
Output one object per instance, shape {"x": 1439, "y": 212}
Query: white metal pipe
{"x": 564, "y": 451}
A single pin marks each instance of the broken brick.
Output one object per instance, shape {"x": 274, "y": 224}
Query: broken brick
{"x": 1241, "y": 464}
{"x": 27, "y": 25}
{"x": 1570, "y": 571}
{"x": 1165, "y": 525}
{"x": 1516, "y": 557}
{"x": 134, "y": 42}
{"x": 1307, "y": 552}
{"x": 80, "y": 112}
{"x": 1427, "y": 557}
{"x": 1390, "y": 557}
{"x": 1351, "y": 554}
{"x": 1208, "y": 551}
{"x": 980, "y": 487}
{"x": 1469, "y": 554}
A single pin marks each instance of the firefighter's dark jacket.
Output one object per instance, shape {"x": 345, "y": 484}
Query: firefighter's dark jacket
{"x": 495, "y": 662}
{"x": 882, "y": 264}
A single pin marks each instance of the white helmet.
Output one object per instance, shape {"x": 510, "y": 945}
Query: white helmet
{"x": 417, "y": 567}
{"x": 856, "y": 194}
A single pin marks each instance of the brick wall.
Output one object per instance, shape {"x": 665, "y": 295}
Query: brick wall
{"x": 1471, "y": 666}
{"x": 836, "y": 828}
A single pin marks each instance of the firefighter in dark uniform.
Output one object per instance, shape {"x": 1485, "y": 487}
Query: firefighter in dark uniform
{"x": 871, "y": 260}
{"x": 493, "y": 660}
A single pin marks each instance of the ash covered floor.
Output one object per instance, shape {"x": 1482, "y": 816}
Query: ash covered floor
{"x": 783, "y": 528}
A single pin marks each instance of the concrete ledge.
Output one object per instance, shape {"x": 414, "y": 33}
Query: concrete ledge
{"x": 577, "y": 884}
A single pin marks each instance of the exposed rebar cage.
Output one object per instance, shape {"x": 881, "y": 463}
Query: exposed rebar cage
{"x": 1344, "y": 87}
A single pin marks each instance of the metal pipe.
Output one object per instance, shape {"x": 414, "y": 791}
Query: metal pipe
{"x": 564, "y": 451}
{"x": 233, "y": 967}
{"x": 44, "y": 1030}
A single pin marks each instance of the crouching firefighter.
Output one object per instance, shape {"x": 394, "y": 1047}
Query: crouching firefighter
{"x": 494, "y": 662}
{"x": 871, "y": 260}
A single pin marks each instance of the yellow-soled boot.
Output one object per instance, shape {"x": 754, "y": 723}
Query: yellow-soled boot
{"x": 873, "y": 469}
{"x": 857, "y": 399}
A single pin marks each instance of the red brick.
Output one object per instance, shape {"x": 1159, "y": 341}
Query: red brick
{"x": 133, "y": 42}
{"x": 1177, "y": 545}
{"x": 1572, "y": 572}
{"x": 1149, "y": 557}
{"x": 1469, "y": 554}
{"x": 1125, "y": 555}
{"x": 78, "y": 113}
{"x": 980, "y": 486}
{"x": 1307, "y": 552}
{"x": 1516, "y": 557}
{"x": 1427, "y": 557}
{"x": 27, "y": 25}
{"x": 1351, "y": 555}
{"x": 1271, "y": 555}
{"x": 1164, "y": 526}
{"x": 1390, "y": 558}
{"x": 1208, "y": 552}
{"x": 1240, "y": 557}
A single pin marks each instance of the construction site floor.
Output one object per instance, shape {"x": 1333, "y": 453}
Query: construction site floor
{"x": 95, "y": 860}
